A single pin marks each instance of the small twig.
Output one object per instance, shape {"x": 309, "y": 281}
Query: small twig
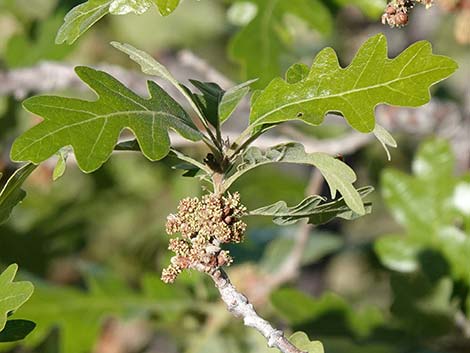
{"x": 462, "y": 323}
{"x": 240, "y": 307}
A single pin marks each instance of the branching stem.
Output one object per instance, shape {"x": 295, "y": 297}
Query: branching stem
{"x": 240, "y": 307}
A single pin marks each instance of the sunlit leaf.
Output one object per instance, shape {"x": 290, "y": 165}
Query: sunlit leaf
{"x": 12, "y": 194}
{"x": 92, "y": 128}
{"x": 85, "y": 15}
{"x": 338, "y": 175}
{"x": 12, "y": 294}
{"x": 166, "y": 7}
{"x": 371, "y": 79}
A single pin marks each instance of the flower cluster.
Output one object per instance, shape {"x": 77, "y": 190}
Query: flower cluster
{"x": 204, "y": 225}
{"x": 396, "y": 13}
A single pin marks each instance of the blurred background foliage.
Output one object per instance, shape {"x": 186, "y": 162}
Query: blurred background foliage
{"x": 395, "y": 281}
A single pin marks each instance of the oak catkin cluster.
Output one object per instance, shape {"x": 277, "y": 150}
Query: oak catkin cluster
{"x": 204, "y": 224}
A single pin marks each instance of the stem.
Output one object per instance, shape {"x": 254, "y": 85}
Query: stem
{"x": 240, "y": 307}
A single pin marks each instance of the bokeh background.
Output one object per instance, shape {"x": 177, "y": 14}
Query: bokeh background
{"x": 395, "y": 281}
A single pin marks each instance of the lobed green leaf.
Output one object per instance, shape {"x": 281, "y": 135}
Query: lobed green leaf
{"x": 12, "y": 294}
{"x": 339, "y": 176}
{"x": 371, "y": 79}
{"x": 92, "y": 128}
{"x": 314, "y": 208}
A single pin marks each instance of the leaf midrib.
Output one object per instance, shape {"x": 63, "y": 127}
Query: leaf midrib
{"x": 384, "y": 84}
{"x": 97, "y": 117}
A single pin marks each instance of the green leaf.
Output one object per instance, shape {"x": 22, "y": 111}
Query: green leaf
{"x": 318, "y": 246}
{"x": 150, "y": 66}
{"x": 12, "y": 194}
{"x": 372, "y": 8}
{"x": 123, "y": 7}
{"x": 385, "y": 138}
{"x": 61, "y": 165}
{"x": 259, "y": 45}
{"x": 166, "y": 7}
{"x": 330, "y": 312}
{"x": 92, "y": 128}
{"x": 301, "y": 341}
{"x": 398, "y": 253}
{"x": 80, "y": 19}
{"x": 369, "y": 80}
{"x": 85, "y": 15}
{"x": 429, "y": 208}
{"x": 208, "y": 103}
{"x": 79, "y": 314}
{"x": 314, "y": 208}
{"x": 39, "y": 48}
{"x": 339, "y": 176}
{"x": 12, "y": 294}
{"x": 231, "y": 98}
{"x": 16, "y": 330}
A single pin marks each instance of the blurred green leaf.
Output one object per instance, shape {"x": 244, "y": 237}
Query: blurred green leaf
{"x": 427, "y": 206}
{"x": 80, "y": 314}
{"x": 12, "y": 194}
{"x": 23, "y": 51}
{"x": 370, "y": 79}
{"x": 372, "y": 8}
{"x": 330, "y": 312}
{"x": 259, "y": 45}
{"x": 16, "y": 330}
{"x": 12, "y": 294}
{"x": 319, "y": 245}
{"x": 301, "y": 341}
{"x": 339, "y": 176}
{"x": 421, "y": 305}
{"x": 398, "y": 253}
{"x": 92, "y": 128}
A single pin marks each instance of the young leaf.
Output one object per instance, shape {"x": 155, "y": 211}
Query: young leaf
{"x": 314, "y": 208}
{"x": 259, "y": 45}
{"x": 231, "y": 98}
{"x": 369, "y": 80}
{"x": 12, "y": 194}
{"x": 85, "y": 15}
{"x": 301, "y": 341}
{"x": 338, "y": 175}
{"x": 80, "y": 19}
{"x": 385, "y": 138}
{"x": 16, "y": 330}
{"x": 217, "y": 104}
{"x": 12, "y": 294}
{"x": 92, "y": 128}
